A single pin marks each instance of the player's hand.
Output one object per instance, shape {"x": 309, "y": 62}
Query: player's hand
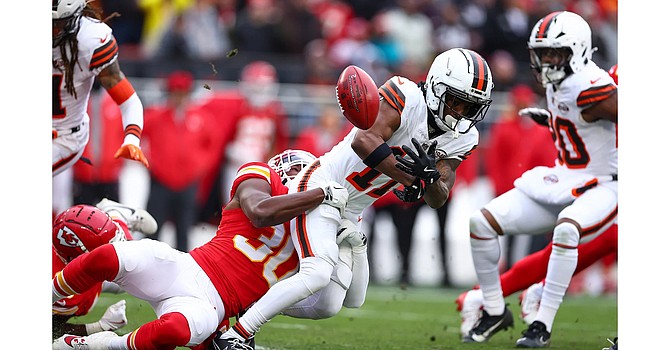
{"x": 115, "y": 317}
{"x": 422, "y": 164}
{"x": 131, "y": 152}
{"x": 539, "y": 115}
{"x": 412, "y": 193}
{"x": 349, "y": 232}
{"x": 335, "y": 195}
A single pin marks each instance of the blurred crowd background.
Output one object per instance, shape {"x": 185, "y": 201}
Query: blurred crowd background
{"x": 224, "y": 82}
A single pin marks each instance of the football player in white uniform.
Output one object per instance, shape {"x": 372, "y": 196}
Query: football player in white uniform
{"x": 83, "y": 48}
{"x": 577, "y": 198}
{"x": 437, "y": 117}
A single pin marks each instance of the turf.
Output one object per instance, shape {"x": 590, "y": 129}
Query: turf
{"x": 412, "y": 318}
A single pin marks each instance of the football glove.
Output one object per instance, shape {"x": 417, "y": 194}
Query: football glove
{"x": 412, "y": 193}
{"x": 349, "y": 231}
{"x": 422, "y": 164}
{"x": 335, "y": 195}
{"x": 539, "y": 115}
{"x": 113, "y": 319}
{"x": 131, "y": 152}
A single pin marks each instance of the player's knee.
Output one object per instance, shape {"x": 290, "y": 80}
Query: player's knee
{"x": 101, "y": 262}
{"x": 167, "y": 332}
{"x": 566, "y": 236}
{"x": 315, "y": 273}
{"x": 480, "y": 228}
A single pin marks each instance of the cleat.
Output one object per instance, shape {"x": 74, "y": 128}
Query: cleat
{"x": 536, "y": 336}
{"x": 137, "y": 219}
{"x": 614, "y": 344}
{"x": 529, "y": 301}
{"x": 488, "y": 325}
{"x": 95, "y": 341}
{"x": 470, "y": 305}
{"x": 232, "y": 344}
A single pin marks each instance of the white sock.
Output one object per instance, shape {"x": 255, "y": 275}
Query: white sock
{"x": 485, "y": 255}
{"x": 562, "y": 264}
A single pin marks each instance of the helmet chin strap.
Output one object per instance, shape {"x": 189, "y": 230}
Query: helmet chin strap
{"x": 449, "y": 123}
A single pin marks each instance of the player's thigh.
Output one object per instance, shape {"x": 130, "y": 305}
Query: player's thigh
{"x": 203, "y": 319}
{"x": 594, "y": 211}
{"x": 314, "y": 233}
{"x": 516, "y": 213}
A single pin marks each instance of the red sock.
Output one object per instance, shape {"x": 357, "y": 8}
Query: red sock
{"x": 166, "y": 333}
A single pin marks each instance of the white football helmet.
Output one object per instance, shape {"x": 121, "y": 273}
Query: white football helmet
{"x": 283, "y": 162}
{"x": 459, "y": 74}
{"x": 565, "y": 32}
{"x": 65, "y": 16}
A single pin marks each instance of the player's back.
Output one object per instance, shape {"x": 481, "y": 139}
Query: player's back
{"x": 583, "y": 146}
{"x": 242, "y": 260}
{"x": 97, "y": 48}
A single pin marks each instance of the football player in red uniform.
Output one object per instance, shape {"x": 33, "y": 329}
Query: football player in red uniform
{"x": 83, "y": 49}
{"x": 194, "y": 294}
{"x": 83, "y": 228}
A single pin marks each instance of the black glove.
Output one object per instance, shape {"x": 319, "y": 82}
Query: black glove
{"x": 539, "y": 115}
{"x": 412, "y": 193}
{"x": 421, "y": 165}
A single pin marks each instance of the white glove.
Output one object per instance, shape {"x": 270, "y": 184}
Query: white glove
{"x": 335, "y": 195}
{"x": 113, "y": 319}
{"x": 539, "y": 115}
{"x": 349, "y": 231}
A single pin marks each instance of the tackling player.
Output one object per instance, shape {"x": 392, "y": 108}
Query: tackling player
{"x": 437, "y": 117}
{"x": 194, "y": 294}
{"x": 577, "y": 198}
{"x": 82, "y": 228}
{"x": 83, "y": 48}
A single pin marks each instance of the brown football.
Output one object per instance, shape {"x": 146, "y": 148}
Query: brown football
{"x": 358, "y": 97}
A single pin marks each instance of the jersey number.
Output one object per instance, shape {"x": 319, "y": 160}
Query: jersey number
{"x": 571, "y": 149}
{"x": 363, "y": 180}
{"x": 57, "y": 109}
{"x": 271, "y": 253}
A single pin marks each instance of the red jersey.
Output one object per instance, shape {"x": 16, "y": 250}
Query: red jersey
{"x": 242, "y": 260}
{"x": 75, "y": 305}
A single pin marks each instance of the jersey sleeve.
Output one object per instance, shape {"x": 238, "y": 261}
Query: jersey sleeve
{"x": 99, "y": 45}
{"x": 251, "y": 170}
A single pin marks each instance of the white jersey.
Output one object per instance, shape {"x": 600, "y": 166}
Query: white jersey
{"x": 97, "y": 50}
{"x": 582, "y": 146}
{"x": 366, "y": 185}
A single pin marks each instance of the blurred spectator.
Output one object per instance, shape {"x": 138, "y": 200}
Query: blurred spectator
{"x": 356, "y": 48}
{"x": 475, "y": 14}
{"x": 257, "y": 27}
{"x": 329, "y": 129}
{"x": 100, "y": 179}
{"x": 516, "y": 144}
{"x": 127, "y": 26}
{"x": 388, "y": 46}
{"x": 260, "y": 122}
{"x": 412, "y": 29}
{"x": 334, "y": 16}
{"x": 504, "y": 70}
{"x": 507, "y": 28}
{"x": 158, "y": 17}
{"x": 180, "y": 138}
{"x": 298, "y": 25}
{"x": 451, "y": 32}
{"x": 320, "y": 70}
{"x": 197, "y": 33}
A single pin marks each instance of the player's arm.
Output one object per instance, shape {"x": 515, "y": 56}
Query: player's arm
{"x": 437, "y": 193}
{"x": 255, "y": 198}
{"x": 132, "y": 112}
{"x": 370, "y": 145}
{"x": 607, "y": 109}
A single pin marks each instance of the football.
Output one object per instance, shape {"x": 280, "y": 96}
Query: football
{"x": 358, "y": 97}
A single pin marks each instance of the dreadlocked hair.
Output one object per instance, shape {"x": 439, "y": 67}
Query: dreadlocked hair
{"x": 71, "y": 44}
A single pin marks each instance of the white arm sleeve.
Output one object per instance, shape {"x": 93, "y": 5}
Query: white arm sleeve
{"x": 132, "y": 112}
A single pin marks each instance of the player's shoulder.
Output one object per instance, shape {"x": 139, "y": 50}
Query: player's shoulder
{"x": 590, "y": 85}
{"x": 401, "y": 93}
{"x": 93, "y": 34}
{"x": 256, "y": 170}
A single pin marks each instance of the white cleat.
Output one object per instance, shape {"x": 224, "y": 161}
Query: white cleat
{"x": 137, "y": 219}
{"x": 96, "y": 341}
{"x": 470, "y": 305}
{"x": 530, "y": 302}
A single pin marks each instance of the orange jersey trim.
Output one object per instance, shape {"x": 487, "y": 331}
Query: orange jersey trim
{"x": 104, "y": 54}
{"x": 305, "y": 248}
{"x": 595, "y": 94}
{"x": 392, "y": 94}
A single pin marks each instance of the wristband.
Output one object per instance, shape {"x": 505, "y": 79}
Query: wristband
{"x": 378, "y": 155}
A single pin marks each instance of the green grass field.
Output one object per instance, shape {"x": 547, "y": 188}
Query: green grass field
{"x": 413, "y": 318}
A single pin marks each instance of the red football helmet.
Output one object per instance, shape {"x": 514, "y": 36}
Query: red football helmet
{"x": 82, "y": 228}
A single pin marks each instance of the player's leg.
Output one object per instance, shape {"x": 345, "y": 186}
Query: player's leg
{"x": 85, "y": 271}
{"x": 511, "y": 213}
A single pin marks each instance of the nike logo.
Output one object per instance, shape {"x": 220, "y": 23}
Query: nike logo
{"x": 428, "y": 170}
{"x": 594, "y": 81}
{"x": 400, "y": 82}
{"x": 104, "y": 39}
